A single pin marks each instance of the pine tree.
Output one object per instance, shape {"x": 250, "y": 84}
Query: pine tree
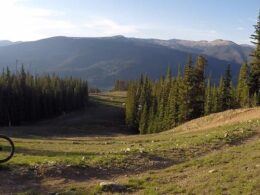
{"x": 172, "y": 107}
{"x": 161, "y": 111}
{"x": 220, "y": 95}
{"x": 242, "y": 87}
{"x": 143, "y": 124}
{"x": 186, "y": 93}
{"x": 227, "y": 93}
{"x": 152, "y": 116}
{"x": 215, "y": 98}
{"x": 131, "y": 107}
{"x": 199, "y": 87}
{"x": 254, "y": 78}
{"x": 208, "y": 104}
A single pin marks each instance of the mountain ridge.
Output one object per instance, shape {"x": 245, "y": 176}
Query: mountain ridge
{"x": 102, "y": 60}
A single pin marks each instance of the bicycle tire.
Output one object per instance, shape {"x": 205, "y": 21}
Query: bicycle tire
{"x": 11, "y": 151}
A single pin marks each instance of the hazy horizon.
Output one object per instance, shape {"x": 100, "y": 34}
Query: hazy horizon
{"x": 250, "y": 44}
{"x": 28, "y": 20}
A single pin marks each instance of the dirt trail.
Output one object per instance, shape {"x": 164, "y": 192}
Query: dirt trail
{"x": 101, "y": 117}
{"x": 141, "y": 165}
{"x": 44, "y": 178}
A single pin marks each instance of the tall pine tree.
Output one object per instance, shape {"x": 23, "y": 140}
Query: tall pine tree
{"x": 242, "y": 87}
{"x": 254, "y": 78}
{"x": 199, "y": 87}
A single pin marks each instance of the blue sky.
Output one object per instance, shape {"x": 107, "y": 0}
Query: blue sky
{"x": 164, "y": 19}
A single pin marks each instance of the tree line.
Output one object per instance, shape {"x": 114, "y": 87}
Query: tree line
{"x": 154, "y": 106}
{"x": 25, "y": 97}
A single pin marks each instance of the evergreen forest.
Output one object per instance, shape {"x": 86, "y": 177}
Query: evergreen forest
{"x": 24, "y": 97}
{"x": 154, "y": 106}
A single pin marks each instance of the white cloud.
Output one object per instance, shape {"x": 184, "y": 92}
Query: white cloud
{"x": 21, "y": 22}
{"x": 18, "y": 22}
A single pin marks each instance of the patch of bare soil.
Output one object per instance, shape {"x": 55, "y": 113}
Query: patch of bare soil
{"x": 51, "y": 178}
{"x": 17, "y": 179}
{"x": 45, "y": 177}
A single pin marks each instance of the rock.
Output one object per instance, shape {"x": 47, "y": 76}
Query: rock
{"x": 109, "y": 186}
{"x": 127, "y": 150}
{"x": 257, "y": 165}
{"x": 107, "y": 183}
{"x": 212, "y": 171}
{"x": 59, "y": 171}
{"x": 51, "y": 162}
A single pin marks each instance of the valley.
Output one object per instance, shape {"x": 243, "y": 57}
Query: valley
{"x": 129, "y": 97}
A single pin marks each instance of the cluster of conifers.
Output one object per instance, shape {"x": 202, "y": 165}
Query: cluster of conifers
{"x": 24, "y": 97}
{"x": 154, "y": 106}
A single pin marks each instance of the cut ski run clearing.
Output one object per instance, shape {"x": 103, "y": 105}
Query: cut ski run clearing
{"x": 73, "y": 153}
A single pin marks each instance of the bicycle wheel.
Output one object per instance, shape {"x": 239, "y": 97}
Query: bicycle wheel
{"x": 6, "y": 148}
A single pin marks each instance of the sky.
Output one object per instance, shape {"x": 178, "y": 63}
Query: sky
{"x": 28, "y": 20}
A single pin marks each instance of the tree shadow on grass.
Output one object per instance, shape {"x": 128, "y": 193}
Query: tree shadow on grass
{"x": 98, "y": 119}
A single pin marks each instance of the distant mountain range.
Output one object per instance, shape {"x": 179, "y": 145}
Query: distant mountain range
{"x": 220, "y": 49}
{"x": 6, "y": 43}
{"x": 103, "y": 60}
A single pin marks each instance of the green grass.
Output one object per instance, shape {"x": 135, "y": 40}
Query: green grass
{"x": 101, "y": 150}
{"x": 210, "y": 161}
{"x": 235, "y": 170}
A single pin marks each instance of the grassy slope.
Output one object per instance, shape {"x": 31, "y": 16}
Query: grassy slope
{"x": 215, "y": 154}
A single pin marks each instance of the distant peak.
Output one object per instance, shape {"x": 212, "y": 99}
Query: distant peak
{"x": 218, "y": 40}
{"x": 221, "y": 42}
{"x": 118, "y": 37}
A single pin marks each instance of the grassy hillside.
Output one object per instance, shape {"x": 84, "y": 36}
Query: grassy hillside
{"x": 217, "y": 154}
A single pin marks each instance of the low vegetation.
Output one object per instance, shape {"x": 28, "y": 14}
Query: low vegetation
{"x": 154, "y": 164}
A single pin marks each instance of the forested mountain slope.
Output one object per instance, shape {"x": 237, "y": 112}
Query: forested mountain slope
{"x": 103, "y": 60}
